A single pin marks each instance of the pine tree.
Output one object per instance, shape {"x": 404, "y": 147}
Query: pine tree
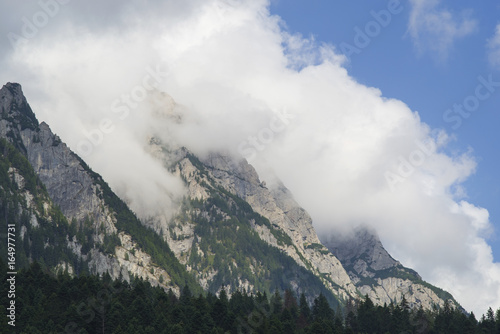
{"x": 276, "y": 303}
{"x": 220, "y": 311}
{"x": 304, "y": 312}
{"x": 321, "y": 309}
{"x": 366, "y": 316}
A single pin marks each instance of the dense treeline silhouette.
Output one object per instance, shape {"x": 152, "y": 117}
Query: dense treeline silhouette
{"x": 88, "y": 304}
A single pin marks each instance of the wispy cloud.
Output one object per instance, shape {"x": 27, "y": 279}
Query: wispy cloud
{"x": 435, "y": 29}
{"x": 494, "y": 48}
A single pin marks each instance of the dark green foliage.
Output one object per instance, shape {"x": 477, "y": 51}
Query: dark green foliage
{"x": 225, "y": 240}
{"x": 111, "y": 241}
{"x": 319, "y": 247}
{"x": 10, "y": 157}
{"x": 89, "y": 304}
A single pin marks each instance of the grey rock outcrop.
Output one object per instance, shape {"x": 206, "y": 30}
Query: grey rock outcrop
{"x": 52, "y": 160}
{"x": 64, "y": 175}
{"x": 276, "y": 203}
{"x": 206, "y": 174}
{"x": 75, "y": 189}
{"x": 349, "y": 266}
{"x": 220, "y": 189}
{"x": 377, "y": 274}
{"x": 361, "y": 252}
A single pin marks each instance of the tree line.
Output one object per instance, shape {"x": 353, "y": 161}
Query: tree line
{"x": 48, "y": 303}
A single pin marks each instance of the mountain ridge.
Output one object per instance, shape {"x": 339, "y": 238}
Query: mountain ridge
{"x": 86, "y": 200}
{"x": 378, "y": 275}
{"x": 206, "y": 244}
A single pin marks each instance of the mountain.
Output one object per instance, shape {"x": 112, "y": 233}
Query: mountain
{"x": 377, "y": 274}
{"x": 264, "y": 239}
{"x": 231, "y": 230}
{"x": 100, "y": 231}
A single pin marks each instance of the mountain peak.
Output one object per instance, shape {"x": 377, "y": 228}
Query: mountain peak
{"x": 15, "y": 108}
{"x": 361, "y": 249}
{"x": 232, "y": 230}
{"x": 14, "y": 88}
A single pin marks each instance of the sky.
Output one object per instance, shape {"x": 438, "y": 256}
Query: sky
{"x": 370, "y": 112}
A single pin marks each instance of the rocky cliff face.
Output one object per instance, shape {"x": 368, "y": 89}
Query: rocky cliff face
{"x": 365, "y": 267}
{"x": 82, "y": 196}
{"x": 361, "y": 253}
{"x": 67, "y": 181}
{"x": 272, "y": 218}
{"x": 377, "y": 274}
{"x": 276, "y": 203}
{"x": 231, "y": 230}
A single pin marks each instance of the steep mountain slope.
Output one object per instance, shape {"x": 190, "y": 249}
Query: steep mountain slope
{"x": 224, "y": 241}
{"x": 106, "y": 234}
{"x": 286, "y": 226}
{"x": 231, "y": 230}
{"x": 39, "y": 228}
{"x": 377, "y": 274}
{"x": 276, "y": 203}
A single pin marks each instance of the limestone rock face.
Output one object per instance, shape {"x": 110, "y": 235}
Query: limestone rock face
{"x": 361, "y": 252}
{"x": 276, "y": 203}
{"x": 290, "y": 227}
{"x": 225, "y": 201}
{"x": 56, "y": 164}
{"x": 52, "y": 160}
{"x": 393, "y": 289}
{"x": 75, "y": 189}
{"x": 377, "y": 274}
{"x": 67, "y": 180}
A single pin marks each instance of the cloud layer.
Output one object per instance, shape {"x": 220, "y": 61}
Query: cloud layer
{"x": 349, "y": 155}
{"x": 494, "y": 48}
{"x": 435, "y": 30}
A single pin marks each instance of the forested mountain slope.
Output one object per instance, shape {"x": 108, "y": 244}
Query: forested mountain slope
{"x": 231, "y": 230}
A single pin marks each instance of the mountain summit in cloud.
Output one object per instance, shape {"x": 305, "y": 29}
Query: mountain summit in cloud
{"x": 230, "y": 231}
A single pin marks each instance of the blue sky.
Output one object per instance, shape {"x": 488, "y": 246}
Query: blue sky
{"x": 428, "y": 79}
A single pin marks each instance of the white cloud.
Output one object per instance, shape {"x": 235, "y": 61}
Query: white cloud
{"x": 231, "y": 68}
{"x": 494, "y": 48}
{"x": 435, "y": 29}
